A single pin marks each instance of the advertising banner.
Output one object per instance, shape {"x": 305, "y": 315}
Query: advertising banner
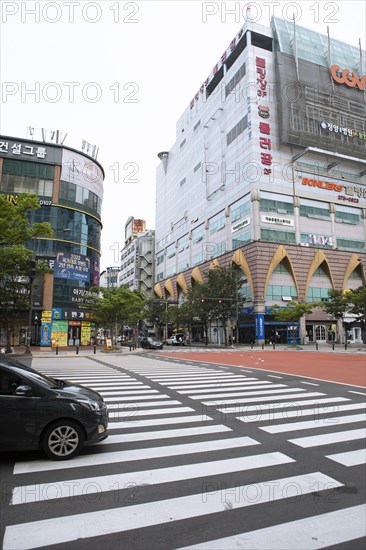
{"x": 46, "y": 334}
{"x": 85, "y": 334}
{"x": 81, "y": 170}
{"x": 59, "y": 333}
{"x": 74, "y": 267}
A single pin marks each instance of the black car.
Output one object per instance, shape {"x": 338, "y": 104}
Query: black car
{"x": 151, "y": 342}
{"x": 39, "y": 412}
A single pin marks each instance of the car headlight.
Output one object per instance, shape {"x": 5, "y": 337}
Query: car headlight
{"x": 91, "y": 405}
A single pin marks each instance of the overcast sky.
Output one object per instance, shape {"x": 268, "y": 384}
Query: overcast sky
{"x": 134, "y": 67}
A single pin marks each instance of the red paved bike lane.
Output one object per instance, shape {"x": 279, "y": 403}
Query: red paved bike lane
{"x": 337, "y": 367}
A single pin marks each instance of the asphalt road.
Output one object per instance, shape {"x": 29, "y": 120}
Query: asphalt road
{"x": 200, "y": 455}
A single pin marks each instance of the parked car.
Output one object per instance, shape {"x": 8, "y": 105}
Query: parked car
{"x": 151, "y": 342}
{"x": 178, "y": 339}
{"x": 39, "y": 412}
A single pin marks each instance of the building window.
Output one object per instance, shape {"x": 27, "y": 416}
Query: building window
{"x": 196, "y": 125}
{"x": 276, "y": 292}
{"x": 217, "y": 223}
{"x": 273, "y": 235}
{"x": 315, "y": 294}
{"x": 241, "y": 239}
{"x": 239, "y": 209}
{"x": 235, "y": 80}
{"x": 183, "y": 243}
{"x": 160, "y": 259}
{"x": 350, "y": 244}
{"x": 237, "y": 130}
{"x": 267, "y": 205}
{"x": 347, "y": 217}
{"x": 314, "y": 212}
{"x": 261, "y": 41}
{"x": 197, "y": 259}
{"x": 160, "y": 276}
{"x": 198, "y": 234}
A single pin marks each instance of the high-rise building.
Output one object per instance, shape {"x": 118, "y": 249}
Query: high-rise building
{"x": 137, "y": 257}
{"x": 268, "y": 174}
{"x": 69, "y": 186}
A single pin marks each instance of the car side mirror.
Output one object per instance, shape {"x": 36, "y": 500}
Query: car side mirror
{"x": 25, "y": 391}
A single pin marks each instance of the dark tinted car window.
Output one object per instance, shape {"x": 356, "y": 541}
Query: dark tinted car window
{"x": 9, "y": 383}
{"x": 31, "y": 374}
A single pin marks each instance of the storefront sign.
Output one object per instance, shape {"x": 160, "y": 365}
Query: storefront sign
{"x": 33, "y": 151}
{"x": 348, "y": 77}
{"x": 240, "y": 225}
{"x": 342, "y": 130}
{"x": 278, "y": 221}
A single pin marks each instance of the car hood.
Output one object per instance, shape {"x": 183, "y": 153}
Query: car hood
{"x": 76, "y": 391}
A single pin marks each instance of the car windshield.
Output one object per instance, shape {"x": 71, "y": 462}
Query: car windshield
{"x": 42, "y": 378}
{"x": 154, "y": 339}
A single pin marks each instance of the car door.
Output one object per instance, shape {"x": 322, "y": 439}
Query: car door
{"x": 18, "y": 413}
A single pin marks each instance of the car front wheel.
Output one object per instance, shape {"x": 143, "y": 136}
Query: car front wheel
{"x": 63, "y": 440}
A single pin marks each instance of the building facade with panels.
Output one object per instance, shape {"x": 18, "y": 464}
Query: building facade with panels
{"x": 268, "y": 174}
{"x": 69, "y": 186}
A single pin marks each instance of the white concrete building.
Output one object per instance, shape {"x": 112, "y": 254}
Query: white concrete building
{"x": 268, "y": 173}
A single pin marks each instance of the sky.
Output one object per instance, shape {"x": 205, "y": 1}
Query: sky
{"x": 119, "y": 74}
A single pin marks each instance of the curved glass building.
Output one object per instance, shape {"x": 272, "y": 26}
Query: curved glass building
{"x": 69, "y": 186}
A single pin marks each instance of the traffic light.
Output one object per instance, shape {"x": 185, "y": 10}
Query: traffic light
{"x": 36, "y": 319}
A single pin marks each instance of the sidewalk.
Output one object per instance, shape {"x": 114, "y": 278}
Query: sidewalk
{"x": 99, "y": 350}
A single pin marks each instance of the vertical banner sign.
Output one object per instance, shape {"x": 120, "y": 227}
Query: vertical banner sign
{"x": 46, "y": 334}
{"x": 59, "y": 333}
{"x": 259, "y": 326}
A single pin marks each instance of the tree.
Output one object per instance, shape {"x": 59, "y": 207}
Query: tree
{"x": 115, "y": 307}
{"x": 292, "y": 313}
{"x": 357, "y": 307}
{"x": 216, "y": 298}
{"x": 337, "y": 305}
{"x": 16, "y": 274}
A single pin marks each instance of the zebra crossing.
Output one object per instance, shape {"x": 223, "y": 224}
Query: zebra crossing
{"x": 197, "y": 457}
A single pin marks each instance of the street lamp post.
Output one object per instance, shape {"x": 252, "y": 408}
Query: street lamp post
{"x": 32, "y": 274}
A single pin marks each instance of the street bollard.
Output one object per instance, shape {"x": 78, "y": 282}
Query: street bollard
{"x": 345, "y": 345}
{"x": 77, "y": 350}
{"x": 262, "y": 346}
{"x": 316, "y": 346}
{"x": 95, "y": 350}
{"x": 56, "y": 350}
{"x": 274, "y": 345}
{"x": 251, "y": 345}
{"x": 333, "y": 346}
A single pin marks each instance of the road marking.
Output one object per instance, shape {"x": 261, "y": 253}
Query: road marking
{"x": 123, "y": 392}
{"x": 330, "y": 529}
{"x": 317, "y": 423}
{"x": 263, "y": 398}
{"x": 264, "y": 393}
{"x": 47, "y": 532}
{"x": 135, "y": 454}
{"x": 122, "y": 399}
{"x": 327, "y": 439}
{"x": 244, "y": 390}
{"x": 350, "y": 458}
{"x": 284, "y": 404}
{"x": 309, "y": 383}
{"x": 72, "y": 488}
{"x": 357, "y": 392}
{"x": 258, "y": 416}
{"x": 130, "y": 408}
{"x": 157, "y": 422}
{"x": 213, "y": 381}
{"x": 163, "y": 434}
{"x": 273, "y": 376}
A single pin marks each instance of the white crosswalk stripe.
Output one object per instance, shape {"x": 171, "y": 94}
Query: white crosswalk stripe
{"x": 189, "y": 445}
